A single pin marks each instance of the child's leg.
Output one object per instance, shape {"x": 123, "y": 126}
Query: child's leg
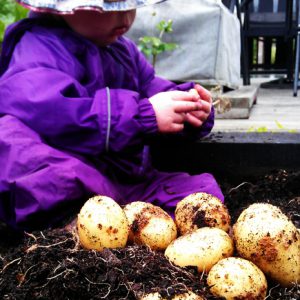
{"x": 166, "y": 189}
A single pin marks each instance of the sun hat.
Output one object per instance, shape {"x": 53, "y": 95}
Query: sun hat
{"x": 69, "y": 6}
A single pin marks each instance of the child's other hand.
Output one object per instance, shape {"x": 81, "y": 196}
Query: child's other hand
{"x": 171, "y": 109}
{"x": 197, "y": 118}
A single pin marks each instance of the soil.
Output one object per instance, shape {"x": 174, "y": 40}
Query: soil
{"x": 51, "y": 264}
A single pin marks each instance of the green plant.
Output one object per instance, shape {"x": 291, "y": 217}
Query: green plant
{"x": 151, "y": 46}
{"x": 10, "y": 12}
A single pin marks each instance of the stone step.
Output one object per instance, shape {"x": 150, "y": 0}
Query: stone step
{"x": 242, "y": 100}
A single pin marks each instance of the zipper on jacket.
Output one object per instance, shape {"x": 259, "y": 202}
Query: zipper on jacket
{"x": 108, "y": 119}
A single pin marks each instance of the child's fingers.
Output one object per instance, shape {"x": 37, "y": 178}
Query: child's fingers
{"x": 186, "y": 106}
{"x": 194, "y": 121}
{"x": 176, "y": 127}
{"x": 204, "y": 93}
{"x": 205, "y": 106}
{"x": 179, "y": 118}
{"x": 184, "y": 96}
{"x": 198, "y": 114}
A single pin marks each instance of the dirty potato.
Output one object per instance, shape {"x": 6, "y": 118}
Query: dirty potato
{"x": 185, "y": 296}
{"x": 264, "y": 235}
{"x": 201, "y": 248}
{"x": 150, "y": 225}
{"x": 102, "y": 224}
{"x": 237, "y": 278}
{"x": 201, "y": 210}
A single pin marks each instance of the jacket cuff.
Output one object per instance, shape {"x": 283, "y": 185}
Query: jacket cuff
{"x": 208, "y": 125}
{"x": 196, "y": 133}
{"x": 147, "y": 117}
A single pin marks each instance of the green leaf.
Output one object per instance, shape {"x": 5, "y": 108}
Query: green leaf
{"x": 146, "y": 39}
{"x": 2, "y": 29}
{"x": 156, "y": 42}
{"x": 165, "y": 26}
{"x": 21, "y": 12}
{"x": 153, "y": 45}
{"x": 169, "y": 26}
{"x": 147, "y": 52}
{"x": 170, "y": 46}
{"x": 159, "y": 49}
{"x": 161, "y": 25}
{"x": 10, "y": 12}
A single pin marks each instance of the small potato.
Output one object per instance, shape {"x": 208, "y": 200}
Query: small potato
{"x": 201, "y": 248}
{"x": 264, "y": 235}
{"x": 236, "y": 278}
{"x": 186, "y": 296}
{"x": 152, "y": 296}
{"x": 102, "y": 224}
{"x": 150, "y": 225}
{"x": 201, "y": 210}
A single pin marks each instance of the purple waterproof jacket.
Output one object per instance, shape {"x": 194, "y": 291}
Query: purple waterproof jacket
{"x": 75, "y": 121}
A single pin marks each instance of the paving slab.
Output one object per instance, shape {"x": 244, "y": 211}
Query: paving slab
{"x": 274, "y": 110}
{"x": 242, "y": 100}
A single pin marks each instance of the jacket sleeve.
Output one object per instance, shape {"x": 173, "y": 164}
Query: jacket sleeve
{"x": 152, "y": 84}
{"x": 57, "y": 106}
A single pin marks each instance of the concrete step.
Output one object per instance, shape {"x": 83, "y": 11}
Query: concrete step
{"x": 242, "y": 100}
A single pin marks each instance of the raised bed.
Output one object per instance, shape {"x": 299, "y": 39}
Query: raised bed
{"x": 231, "y": 155}
{"x": 254, "y": 167}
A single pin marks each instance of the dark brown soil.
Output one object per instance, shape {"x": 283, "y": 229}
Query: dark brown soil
{"x": 52, "y": 265}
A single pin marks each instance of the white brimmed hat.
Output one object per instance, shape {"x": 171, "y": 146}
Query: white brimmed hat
{"x": 69, "y": 6}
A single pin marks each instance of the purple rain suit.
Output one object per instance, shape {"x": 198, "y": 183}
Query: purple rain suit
{"x": 75, "y": 121}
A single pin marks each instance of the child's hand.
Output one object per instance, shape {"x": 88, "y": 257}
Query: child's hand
{"x": 171, "y": 109}
{"x": 197, "y": 118}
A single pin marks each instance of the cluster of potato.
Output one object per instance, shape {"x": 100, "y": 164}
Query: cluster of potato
{"x": 235, "y": 258}
{"x": 102, "y": 223}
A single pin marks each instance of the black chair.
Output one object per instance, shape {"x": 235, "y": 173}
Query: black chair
{"x": 297, "y": 60}
{"x": 269, "y": 25}
{"x": 230, "y": 4}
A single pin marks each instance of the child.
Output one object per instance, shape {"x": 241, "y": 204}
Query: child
{"x": 79, "y": 105}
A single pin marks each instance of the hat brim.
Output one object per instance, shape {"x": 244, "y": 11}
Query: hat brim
{"x": 69, "y": 6}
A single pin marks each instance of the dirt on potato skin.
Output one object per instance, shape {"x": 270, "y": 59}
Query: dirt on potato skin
{"x": 52, "y": 265}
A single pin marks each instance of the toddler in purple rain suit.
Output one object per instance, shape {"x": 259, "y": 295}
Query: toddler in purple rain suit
{"x": 78, "y": 106}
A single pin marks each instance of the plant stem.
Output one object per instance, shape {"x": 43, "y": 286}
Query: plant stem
{"x": 161, "y": 34}
{"x": 153, "y": 60}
